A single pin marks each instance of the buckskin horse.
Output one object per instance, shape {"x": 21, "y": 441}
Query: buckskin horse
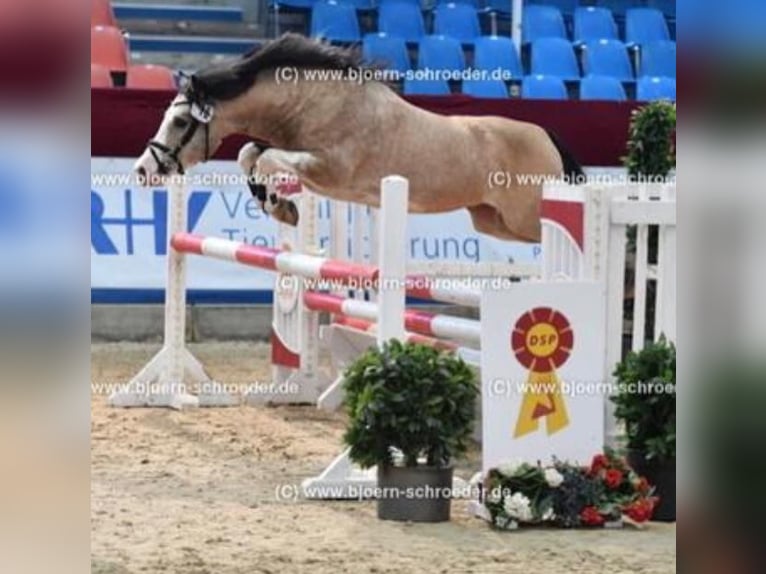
{"x": 339, "y": 138}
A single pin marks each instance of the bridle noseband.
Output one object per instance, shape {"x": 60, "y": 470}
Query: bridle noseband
{"x": 172, "y": 153}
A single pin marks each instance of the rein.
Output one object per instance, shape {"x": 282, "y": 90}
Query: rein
{"x": 172, "y": 153}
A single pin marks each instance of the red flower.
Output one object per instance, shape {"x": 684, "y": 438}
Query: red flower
{"x": 641, "y": 510}
{"x": 613, "y": 478}
{"x": 591, "y": 517}
{"x": 643, "y": 485}
{"x": 599, "y": 461}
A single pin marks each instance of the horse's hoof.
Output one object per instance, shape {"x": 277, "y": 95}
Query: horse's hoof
{"x": 287, "y": 212}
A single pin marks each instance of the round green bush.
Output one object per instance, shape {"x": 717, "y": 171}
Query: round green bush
{"x": 409, "y": 397}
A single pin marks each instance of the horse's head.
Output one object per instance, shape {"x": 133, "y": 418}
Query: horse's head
{"x": 190, "y": 132}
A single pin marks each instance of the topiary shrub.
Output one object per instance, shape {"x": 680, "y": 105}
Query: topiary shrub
{"x": 409, "y": 397}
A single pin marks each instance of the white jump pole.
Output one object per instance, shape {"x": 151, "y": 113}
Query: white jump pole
{"x": 168, "y": 378}
{"x": 342, "y": 479}
{"x": 517, "y": 14}
{"x": 392, "y": 258}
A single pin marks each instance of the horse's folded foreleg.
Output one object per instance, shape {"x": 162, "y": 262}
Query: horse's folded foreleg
{"x": 246, "y": 159}
{"x": 259, "y": 173}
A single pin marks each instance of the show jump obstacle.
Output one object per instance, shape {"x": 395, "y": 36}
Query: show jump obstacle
{"x": 584, "y": 241}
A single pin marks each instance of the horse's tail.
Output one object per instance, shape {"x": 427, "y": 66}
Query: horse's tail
{"x": 572, "y": 169}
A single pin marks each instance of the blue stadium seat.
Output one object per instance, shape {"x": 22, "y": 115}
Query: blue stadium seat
{"x": 426, "y": 87}
{"x": 497, "y": 52}
{"x": 440, "y": 53}
{"x": 667, "y": 7}
{"x": 539, "y": 87}
{"x": 542, "y": 22}
{"x": 457, "y": 20}
{"x": 415, "y": 2}
{"x": 294, "y": 4}
{"x": 620, "y": 7}
{"x": 363, "y": 5}
{"x": 555, "y": 57}
{"x": 335, "y": 21}
{"x": 502, "y": 7}
{"x": 485, "y": 88}
{"x": 645, "y": 25}
{"x": 608, "y": 58}
{"x": 602, "y": 88}
{"x": 594, "y": 23}
{"x": 388, "y": 51}
{"x": 403, "y": 19}
{"x": 652, "y": 88}
{"x": 566, "y": 7}
{"x": 658, "y": 59}
{"x": 474, "y": 3}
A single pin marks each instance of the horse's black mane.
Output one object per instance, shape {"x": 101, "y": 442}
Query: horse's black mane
{"x": 231, "y": 79}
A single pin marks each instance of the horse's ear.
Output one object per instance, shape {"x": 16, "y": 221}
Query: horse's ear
{"x": 195, "y": 85}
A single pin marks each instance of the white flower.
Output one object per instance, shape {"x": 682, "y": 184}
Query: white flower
{"x": 494, "y": 496}
{"x": 548, "y": 515}
{"x": 553, "y": 477}
{"x": 517, "y": 506}
{"x": 510, "y": 467}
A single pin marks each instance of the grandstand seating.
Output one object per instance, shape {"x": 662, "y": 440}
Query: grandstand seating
{"x": 426, "y": 87}
{"x": 100, "y": 77}
{"x": 300, "y": 5}
{"x": 335, "y": 21}
{"x": 502, "y": 7}
{"x": 594, "y": 23}
{"x": 440, "y": 53}
{"x": 485, "y": 88}
{"x": 566, "y": 7}
{"x": 658, "y": 59}
{"x": 539, "y": 87}
{"x": 667, "y": 7}
{"x": 403, "y": 19}
{"x": 177, "y": 12}
{"x": 602, "y": 88}
{"x": 608, "y": 58}
{"x": 655, "y": 88}
{"x": 497, "y": 53}
{"x": 645, "y": 25}
{"x": 150, "y": 77}
{"x": 620, "y": 7}
{"x": 564, "y": 39}
{"x": 101, "y": 13}
{"x": 107, "y": 48}
{"x": 457, "y": 20}
{"x": 475, "y": 3}
{"x": 555, "y": 57}
{"x": 541, "y": 21}
{"x": 389, "y": 51}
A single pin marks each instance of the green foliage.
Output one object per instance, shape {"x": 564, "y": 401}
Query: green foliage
{"x": 649, "y": 417}
{"x": 651, "y": 145}
{"x": 579, "y": 490}
{"x": 410, "y": 397}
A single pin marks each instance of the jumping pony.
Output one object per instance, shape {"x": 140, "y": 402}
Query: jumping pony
{"x": 340, "y": 137}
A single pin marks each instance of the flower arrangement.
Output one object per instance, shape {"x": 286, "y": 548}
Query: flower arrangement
{"x": 567, "y": 495}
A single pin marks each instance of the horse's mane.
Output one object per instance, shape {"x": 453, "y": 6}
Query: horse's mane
{"x": 231, "y": 79}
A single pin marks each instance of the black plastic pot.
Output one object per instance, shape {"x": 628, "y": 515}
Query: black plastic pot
{"x": 417, "y": 493}
{"x": 663, "y": 477}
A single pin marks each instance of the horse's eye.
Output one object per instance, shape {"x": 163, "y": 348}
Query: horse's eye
{"x": 180, "y": 123}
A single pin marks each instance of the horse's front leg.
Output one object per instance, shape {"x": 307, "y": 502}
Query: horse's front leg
{"x": 281, "y": 209}
{"x": 277, "y": 162}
